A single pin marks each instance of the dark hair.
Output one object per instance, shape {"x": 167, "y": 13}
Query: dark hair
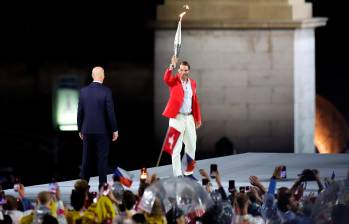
{"x": 11, "y": 203}
{"x": 185, "y": 63}
{"x": 7, "y": 220}
{"x": 49, "y": 219}
{"x": 139, "y": 218}
{"x": 284, "y": 195}
{"x": 129, "y": 199}
{"x": 241, "y": 200}
{"x": 77, "y": 199}
{"x": 173, "y": 214}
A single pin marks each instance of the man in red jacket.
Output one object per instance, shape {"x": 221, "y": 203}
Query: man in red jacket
{"x": 183, "y": 110}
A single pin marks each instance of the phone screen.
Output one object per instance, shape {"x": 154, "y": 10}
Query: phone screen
{"x": 283, "y": 172}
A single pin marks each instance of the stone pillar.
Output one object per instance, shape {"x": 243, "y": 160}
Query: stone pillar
{"x": 254, "y": 61}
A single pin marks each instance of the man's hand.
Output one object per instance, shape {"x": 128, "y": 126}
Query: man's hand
{"x": 81, "y": 135}
{"x": 174, "y": 61}
{"x": 115, "y": 136}
{"x": 198, "y": 124}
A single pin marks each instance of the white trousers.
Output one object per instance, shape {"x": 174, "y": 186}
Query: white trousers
{"x": 185, "y": 124}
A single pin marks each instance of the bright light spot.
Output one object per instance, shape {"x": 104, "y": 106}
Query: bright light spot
{"x": 72, "y": 127}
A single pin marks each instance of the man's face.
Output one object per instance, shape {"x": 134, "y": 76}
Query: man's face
{"x": 183, "y": 71}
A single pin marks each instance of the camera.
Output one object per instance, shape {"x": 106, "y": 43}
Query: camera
{"x": 213, "y": 170}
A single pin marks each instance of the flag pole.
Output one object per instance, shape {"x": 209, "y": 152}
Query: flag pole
{"x": 162, "y": 148}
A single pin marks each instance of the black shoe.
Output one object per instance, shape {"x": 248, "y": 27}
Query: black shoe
{"x": 191, "y": 176}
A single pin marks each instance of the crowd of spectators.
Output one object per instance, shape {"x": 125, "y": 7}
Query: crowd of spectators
{"x": 114, "y": 203}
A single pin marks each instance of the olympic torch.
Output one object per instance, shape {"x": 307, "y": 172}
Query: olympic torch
{"x": 178, "y": 36}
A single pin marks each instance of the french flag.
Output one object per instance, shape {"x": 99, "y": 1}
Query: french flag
{"x": 125, "y": 178}
{"x": 190, "y": 163}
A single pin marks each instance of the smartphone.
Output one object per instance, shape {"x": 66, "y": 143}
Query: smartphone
{"x": 144, "y": 173}
{"x": 283, "y": 173}
{"x": 242, "y": 189}
{"x": 213, "y": 170}
{"x": 231, "y": 185}
{"x": 247, "y": 188}
{"x": 205, "y": 181}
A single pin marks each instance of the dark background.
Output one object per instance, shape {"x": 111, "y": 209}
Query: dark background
{"x": 38, "y": 42}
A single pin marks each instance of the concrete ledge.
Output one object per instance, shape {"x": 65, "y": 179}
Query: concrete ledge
{"x": 243, "y": 24}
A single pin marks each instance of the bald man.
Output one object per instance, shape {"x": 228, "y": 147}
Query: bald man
{"x": 97, "y": 125}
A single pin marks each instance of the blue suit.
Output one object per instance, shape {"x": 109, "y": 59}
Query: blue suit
{"x": 96, "y": 121}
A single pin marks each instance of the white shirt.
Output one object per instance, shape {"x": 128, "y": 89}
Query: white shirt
{"x": 188, "y": 94}
{"x": 15, "y": 215}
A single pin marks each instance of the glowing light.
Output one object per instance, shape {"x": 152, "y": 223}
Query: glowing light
{"x": 68, "y": 127}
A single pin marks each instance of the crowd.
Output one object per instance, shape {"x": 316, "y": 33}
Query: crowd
{"x": 181, "y": 200}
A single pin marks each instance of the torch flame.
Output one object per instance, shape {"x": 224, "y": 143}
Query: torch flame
{"x": 186, "y": 7}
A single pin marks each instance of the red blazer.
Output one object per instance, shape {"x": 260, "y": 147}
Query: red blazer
{"x": 177, "y": 97}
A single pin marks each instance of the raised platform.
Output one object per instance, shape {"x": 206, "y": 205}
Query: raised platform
{"x": 238, "y": 167}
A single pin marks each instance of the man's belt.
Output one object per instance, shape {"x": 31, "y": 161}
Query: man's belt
{"x": 186, "y": 114}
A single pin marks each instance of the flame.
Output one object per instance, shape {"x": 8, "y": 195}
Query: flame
{"x": 186, "y": 7}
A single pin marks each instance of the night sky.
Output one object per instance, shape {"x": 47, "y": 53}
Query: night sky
{"x": 110, "y": 35}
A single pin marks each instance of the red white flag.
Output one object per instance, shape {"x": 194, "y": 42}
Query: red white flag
{"x": 171, "y": 140}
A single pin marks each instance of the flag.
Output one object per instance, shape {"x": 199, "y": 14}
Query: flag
{"x": 171, "y": 140}
{"x": 333, "y": 175}
{"x": 190, "y": 163}
{"x": 125, "y": 178}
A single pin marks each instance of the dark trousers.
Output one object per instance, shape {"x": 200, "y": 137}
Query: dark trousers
{"x": 95, "y": 144}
